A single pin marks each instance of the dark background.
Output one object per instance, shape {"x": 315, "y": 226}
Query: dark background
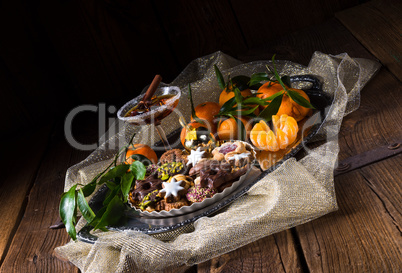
{"x": 55, "y": 55}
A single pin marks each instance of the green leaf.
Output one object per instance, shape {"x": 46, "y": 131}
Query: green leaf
{"x": 276, "y": 74}
{"x": 112, "y": 215}
{"x": 197, "y": 119}
{"x": 242, "y": 112}
{"x": 114, "y": 172}
{"x": 242, "y": 133}
{"x": 299, "y": 99}
{"x": 190, "y": 97}
{"x": 271, "y": 109}
{"x": 254, "y": 100}
{"x": 111, "y": 184}
{"x": 89, "y": 188}
{"x": 249, "y": 111}
{"x": 238, "y": 96}
{"x": 85, "y": 209}
{"x": 270, "y": 98}
{"x": 221, "y": 80}
{"x": 228, "y": 105}
{"x": 98, "y": 217}
{"x": 126, "y": 182}
{"x": 286, "y": 80}
{"x": 193, "y": 115}
{"x": 138, "y": 169}
{"x": 68, "y": 211}
{"x": 111, "y": 194}
{"x": 241, "y": 82}
{"x": 257, "y": 78}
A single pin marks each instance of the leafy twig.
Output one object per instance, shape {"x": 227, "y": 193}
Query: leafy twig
{"x": 274, "y": 101}
{"x": 118, "y": 178}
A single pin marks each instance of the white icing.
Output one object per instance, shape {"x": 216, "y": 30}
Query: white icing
{"x": 239, "y": 156}
{"x": 172, "y": 188}
{"x": 195, "y": 156}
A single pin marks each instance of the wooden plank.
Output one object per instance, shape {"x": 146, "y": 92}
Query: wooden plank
{"x": 276, "y": 253}
{"x": 21, "y": 161}
{"x": 385, "y": 181}
{"x": 377, "y": 121}
{"x": 377, "y": 25}
{"x": 324, "y": 37}
{"x": 198, "y": 28}
{"x": 365, "y": 234}
{"x": 264, "y": 21}
{"x": 33, "y": 244}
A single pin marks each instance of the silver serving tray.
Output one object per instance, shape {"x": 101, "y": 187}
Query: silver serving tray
{"x": 157, "y": 226}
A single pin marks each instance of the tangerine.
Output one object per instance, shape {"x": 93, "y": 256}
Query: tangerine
{"x": 284, "y": 133}
{"x": 207, "y": 112}
{"x": 228, "y": 128}
{"x": 268, "y": 89}
{"x": 288, "y": 106}
{"x": 141, "y": 149}
{"x": 227, "y": 95}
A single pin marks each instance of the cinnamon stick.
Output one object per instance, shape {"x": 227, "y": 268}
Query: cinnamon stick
{"x": 152, "y": 88}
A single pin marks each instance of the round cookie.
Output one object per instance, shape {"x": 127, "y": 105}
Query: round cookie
{"x": 149, "y": 201}
{"x": 237, "y": 153}
{"x": 168, "y": 170}
{"x": 174, "y": 155}
{"x": 144, "y": 187}
{"x": 199, "y": 194}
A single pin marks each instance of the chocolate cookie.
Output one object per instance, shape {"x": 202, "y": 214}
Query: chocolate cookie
{"x": 219, "y": 176}
{"x": 167, "y": 170}
{"x": 144, "y": 187}
{"x": 209, "y": 164}
{"x": 174, "y": 155}
{"x": 149, "y": 201}
{"x": 199, "y": 194}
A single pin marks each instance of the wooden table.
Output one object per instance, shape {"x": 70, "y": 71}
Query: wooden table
{"x": 364, "y": 235}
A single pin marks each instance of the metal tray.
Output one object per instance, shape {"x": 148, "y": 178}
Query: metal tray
{"x": 155, "y": 226}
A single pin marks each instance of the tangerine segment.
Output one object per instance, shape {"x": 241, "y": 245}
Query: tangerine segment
{"x": 282, "y": 139}
{"x": 268, "y": 141}
{"x": 287, "y": 125}
{"x": 256, "y": 133}
{"x": 284, "y": 133}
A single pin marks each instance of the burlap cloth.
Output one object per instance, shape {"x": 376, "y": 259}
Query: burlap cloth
{"x": 293, "y": 194}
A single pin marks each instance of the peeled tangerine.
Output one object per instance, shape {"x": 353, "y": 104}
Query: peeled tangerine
{"x": 283, "y": 134}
